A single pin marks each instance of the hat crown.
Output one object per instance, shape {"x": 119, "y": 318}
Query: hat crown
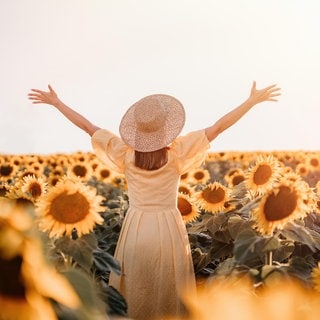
{"x": 151, "y": 115}
{"x": 152, "y": 123}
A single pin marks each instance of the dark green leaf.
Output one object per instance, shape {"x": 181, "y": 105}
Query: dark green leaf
{"x": 244, "y": 245}
{"x": 80, "y": 249}
{"x": 284, "y": 251}
{"x": 248, "y": 246}
{"x": 300, "y": 234}
{"x": 85, "y": 288}
{"x": 237, "y": 224}
{"x": 220, "y": 250}
{"x": 104, "y": 262}
{"x": 215, "y": 222}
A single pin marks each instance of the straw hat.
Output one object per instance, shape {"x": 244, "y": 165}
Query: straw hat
{"x": 152, "y": 123}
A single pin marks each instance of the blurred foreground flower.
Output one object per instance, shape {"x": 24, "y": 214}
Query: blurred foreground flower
{"x": 237, "y": 299}
{"x": 28, "y": 285}
{"x": 69, "y": 205}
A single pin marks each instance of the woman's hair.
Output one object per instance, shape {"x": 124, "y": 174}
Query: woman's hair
{"x": 152, "y": 160}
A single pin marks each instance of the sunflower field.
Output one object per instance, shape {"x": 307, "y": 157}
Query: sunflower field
{"x": 253, "y": 220}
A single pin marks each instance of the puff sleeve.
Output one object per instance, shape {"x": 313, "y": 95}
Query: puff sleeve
{"x": 110, "y": 149}
{"x": 190, "y": 150}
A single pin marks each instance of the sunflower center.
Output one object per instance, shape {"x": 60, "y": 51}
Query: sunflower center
{"x": 213, "y": 196}
{"x": 303, "y": 170}
{"x": 35, "y": 189}
{"x": 184, "y": 189}
{"x": 79, "y": 170}
{"x": 69, "y": 208}
{"x": 314, "y": 162}
{"x": 184, "y": 206}
{"x": 184, "y": 176}
{"x": 262, "y": 174}
{"x": 198, "y": 175}
{"x": 281, "y": 205}
{"x": 6, "y": 170}
{"x": 237, "y": 179}
{"x": 11, "y": 284}
{"x": 3, "y": 191}
{"x": 105, "y": 173}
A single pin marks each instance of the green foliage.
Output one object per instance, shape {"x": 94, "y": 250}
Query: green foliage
{"x": 226, "y": 243}
{"x": 88, "y": 260}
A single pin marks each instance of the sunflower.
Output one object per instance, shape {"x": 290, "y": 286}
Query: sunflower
{"x": 200, "y": 176}
{"x": 33, "y": 188}
{"x": 102, "y": 172}
{"x": 187, "y": 208}
{"x": 231, "y": 172}
{"x": 67, "y": 205}
{"x": 213, "y": 197}
{"x": 236, "y": 179}
{"x": 17, "y": 160}
{"x": 27, "y": 171}
{"x": 30, "y": 188}
{"x": 186, "y": 188}
{"x": 14, "y": 193}
{"x": 302, "y": 169}
{"x": 4, "y": 189}
{"x": 283, "y": 203}
{"x": 80, "y": 157}
{"x": 81, "y": 170}
{"x": 7, "y": 171}
{"x": 261, "y": 176}
{"x": 27, "y": 282}
{"x": 314, "y": 161}
{"x": 27, "y": 286}
{"x": 185, "y": 177}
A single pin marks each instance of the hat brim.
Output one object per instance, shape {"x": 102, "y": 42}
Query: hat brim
{"x": 158, "y": 139}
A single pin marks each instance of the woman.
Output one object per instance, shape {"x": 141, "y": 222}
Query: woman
{"x": 153, "y": 247}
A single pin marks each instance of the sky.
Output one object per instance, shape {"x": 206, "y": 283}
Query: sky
{"x": 101, "y": 56}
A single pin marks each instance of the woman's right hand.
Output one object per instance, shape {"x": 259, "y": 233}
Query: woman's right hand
{"x": 48, "y": 97}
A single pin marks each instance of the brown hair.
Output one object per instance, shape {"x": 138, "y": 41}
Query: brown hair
{"x": 152, "y": 160}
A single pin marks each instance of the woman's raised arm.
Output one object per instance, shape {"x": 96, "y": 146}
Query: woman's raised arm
{"x": 50, "y": 97}
{"x": 256, "y": 96}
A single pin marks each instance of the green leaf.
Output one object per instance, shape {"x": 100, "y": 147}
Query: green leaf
{"x": 220, "y": 250}
{"x": 284, "y": 251}
{"x": 244, "y": 245}
{"x": 272, "y": 271}
{"x": 265, "y": 245}
{"x": 104, "y": 261}
{"x": 237, "y": 224}
{"x": 300, "y": 234}
{"x": 85, "y": 288}
{"x": 300, "y": 267}
{"x": 249, "y": 245}
{"x": 81, "y": 249}
{"x": 201, "y": 240}
{"x": 226, "y": 267}
{"x": 200, "y": 259}
{"x": 222, "y": 236}
{"x": 315, "y": 236}
{"x": 215, "y": 222}
{"x": 117, "y": 305}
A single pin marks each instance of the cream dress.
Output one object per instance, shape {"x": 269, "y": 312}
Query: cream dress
{"x": 153, "y": 247}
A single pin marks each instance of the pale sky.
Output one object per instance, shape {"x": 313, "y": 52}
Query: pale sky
{"x": 103, "y": 55}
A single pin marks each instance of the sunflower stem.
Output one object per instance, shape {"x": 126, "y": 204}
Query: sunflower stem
{"x": 269, "y": 258}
